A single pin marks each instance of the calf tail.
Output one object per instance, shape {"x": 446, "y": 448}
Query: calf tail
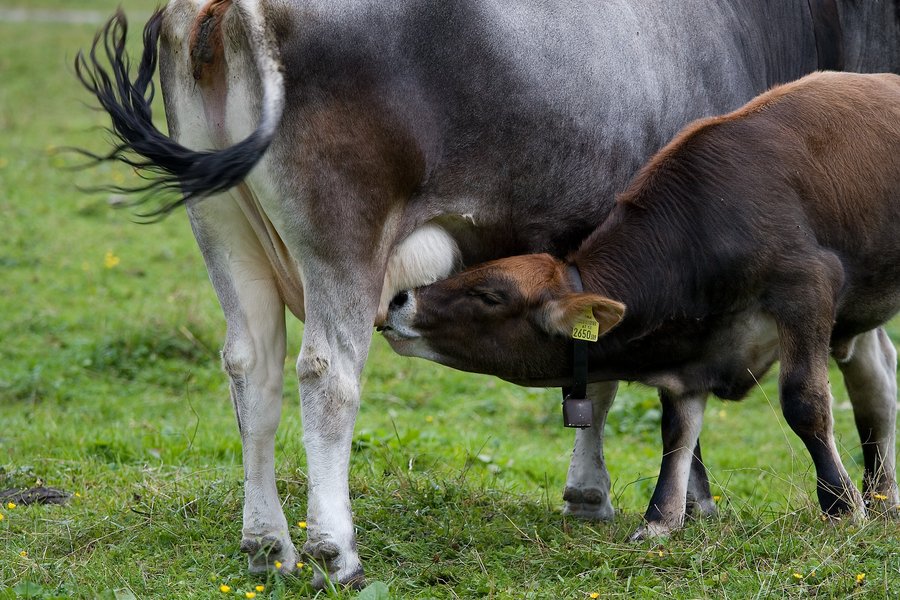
{"x": 164, "y": 162}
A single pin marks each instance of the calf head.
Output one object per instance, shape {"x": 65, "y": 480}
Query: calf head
{"x": 512, "y": 318}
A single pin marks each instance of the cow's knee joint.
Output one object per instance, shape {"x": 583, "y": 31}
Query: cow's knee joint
{"x": 238, "y": 358}
{"x": 312, "y": 366}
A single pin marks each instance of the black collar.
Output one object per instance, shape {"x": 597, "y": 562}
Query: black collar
{"x": 577, "y": 409}
{"x": 827, "y": 32}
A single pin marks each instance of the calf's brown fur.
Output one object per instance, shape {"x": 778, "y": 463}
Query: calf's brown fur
{"x": 766, "y": 233}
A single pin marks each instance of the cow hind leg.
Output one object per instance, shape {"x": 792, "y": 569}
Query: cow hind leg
{"x": 340, "y": 309}
{"x": 587, "y": 484}
{"x": 870, "y": 375}
{"x": 253, "y": 356}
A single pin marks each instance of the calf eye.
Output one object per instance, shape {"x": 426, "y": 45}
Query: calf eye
{"x": 488, "y": 297}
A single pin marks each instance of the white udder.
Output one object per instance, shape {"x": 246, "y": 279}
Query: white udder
{"x": 428, "y": 254}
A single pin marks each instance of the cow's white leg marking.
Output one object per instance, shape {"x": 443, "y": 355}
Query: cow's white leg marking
{"x": 682, "y": 420}
{"x": 426, "y": 255}
{"x": 253, "y": 357}
{"x": 587, "y": 484}
{"x": 870, "y": 375}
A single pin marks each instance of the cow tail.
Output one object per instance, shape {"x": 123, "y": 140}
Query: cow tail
{"x": 166, "y": 164}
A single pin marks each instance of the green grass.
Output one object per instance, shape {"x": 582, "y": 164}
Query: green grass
{"x": 110, "y": 387}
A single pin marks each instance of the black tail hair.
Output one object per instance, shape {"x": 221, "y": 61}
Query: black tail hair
{"x": 165, "y": 163}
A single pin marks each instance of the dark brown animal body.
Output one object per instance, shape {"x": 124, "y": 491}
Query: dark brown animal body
{"x": 767, "y": 233}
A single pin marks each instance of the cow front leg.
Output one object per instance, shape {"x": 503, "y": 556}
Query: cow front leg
{"x": 870, "y": 375}
{"x": 336, "y": 339}
{"x": 682, "y": 419}
{"x": 587, "y": 483}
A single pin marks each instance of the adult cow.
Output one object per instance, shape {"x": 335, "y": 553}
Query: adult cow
{"x": 368, "y": 147}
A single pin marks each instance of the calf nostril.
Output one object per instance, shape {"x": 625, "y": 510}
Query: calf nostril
{"x": 399, "y": 300}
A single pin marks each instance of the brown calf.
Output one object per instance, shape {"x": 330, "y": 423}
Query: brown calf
{"x": 767, "y": 233}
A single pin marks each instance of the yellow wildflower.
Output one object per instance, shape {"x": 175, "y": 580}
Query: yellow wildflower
{"x": 110, "y": 260}
{"x": 879, "y": 496}
{"x": 23, "y": 553}
{"x": 798, "y": 576}
{"x": 277, "y": 565}
{"x": 302, "y": 524}
{"x": 77, "y": 495}
{"x": 2, "y": 517}
{"x": 224, "y": 588}
{"x": 593, "y": 595}
{"x": 860, "y": 577}
{"x": 300, "y": 565}
{"x": 716, "y": 498}
{"x": 250, "y": 594}
{"x": 260, "y": 588}
{"x": 10, "y": 505}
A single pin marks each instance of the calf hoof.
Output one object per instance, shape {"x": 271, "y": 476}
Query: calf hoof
{"x": 842, "y": 505}
{"x": 702, "y": 509}
{"x": 329, "y": 566}
{"x": 269, "y": 553}
{"x": 884, "y": 503}
{"x": 590, "y": 504}
{"x": 651, "y": 531}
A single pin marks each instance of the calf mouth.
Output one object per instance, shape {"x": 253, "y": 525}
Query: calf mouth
{"x": 392, "y": 334}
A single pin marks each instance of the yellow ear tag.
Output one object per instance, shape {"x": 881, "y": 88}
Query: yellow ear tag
{"x": 586, "y": 326}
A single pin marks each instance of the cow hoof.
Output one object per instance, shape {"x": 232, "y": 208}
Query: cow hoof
{"x": 268, "y": 553}
{"x": 328, "y": 567}
{"x": 588, "y": 504}
{"x": 589, "y": 512}
{"x": 650, "y": 531}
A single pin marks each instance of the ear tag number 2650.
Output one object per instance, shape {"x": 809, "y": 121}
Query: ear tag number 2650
{"x": 586, "y": 326}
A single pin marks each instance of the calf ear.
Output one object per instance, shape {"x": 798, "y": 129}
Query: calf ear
{"x": 560, "y": 315}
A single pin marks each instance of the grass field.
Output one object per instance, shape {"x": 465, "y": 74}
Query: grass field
{"x": 110, "y": 388}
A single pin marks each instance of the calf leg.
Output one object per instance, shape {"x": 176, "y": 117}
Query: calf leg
{"x": 870, "y": 374}
{"x": 806, "y": 404}
{"x": 682, "y": 419}
{"x": 587, "y": 484}
{"x": 253, "y": 356}
{"x": 700, "y": 502}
